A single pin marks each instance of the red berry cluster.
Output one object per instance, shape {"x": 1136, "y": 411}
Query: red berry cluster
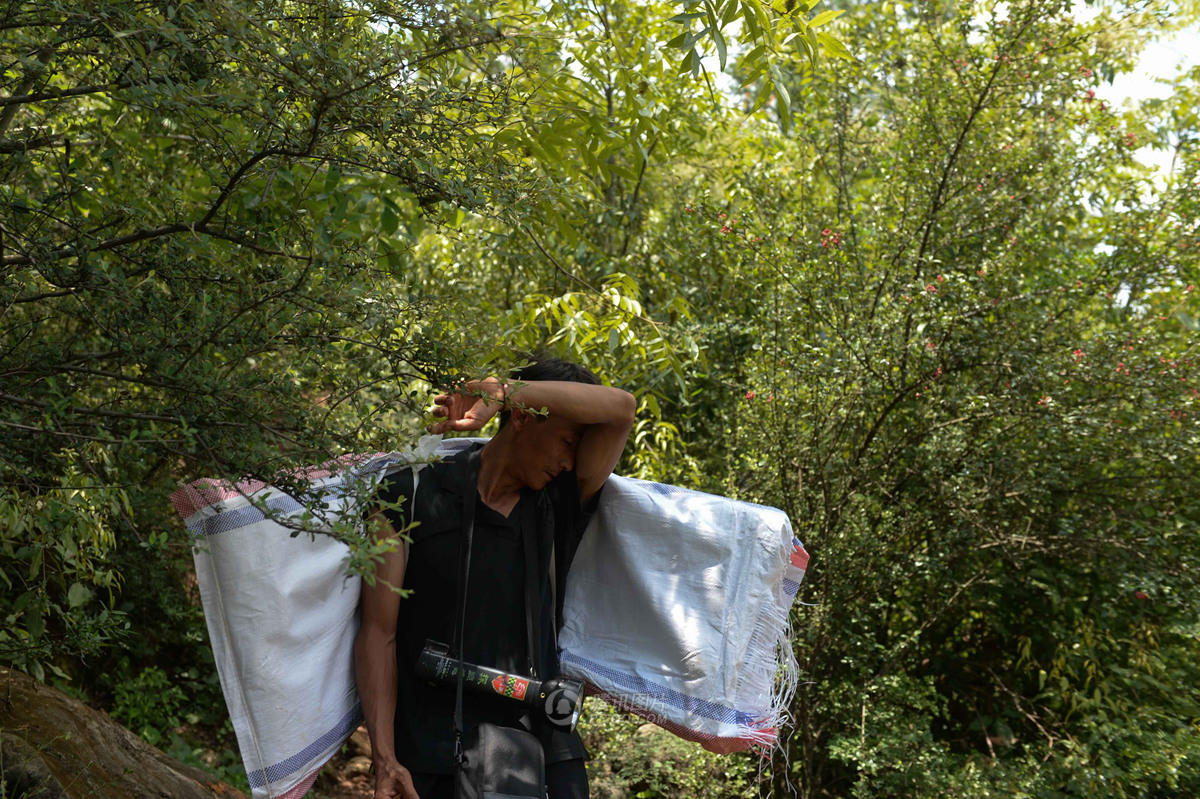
{"x": 830, "y": 239}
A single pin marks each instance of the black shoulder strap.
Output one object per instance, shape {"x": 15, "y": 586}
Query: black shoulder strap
{"x": 468, "y": 522}
{"x": 530, "y": 535}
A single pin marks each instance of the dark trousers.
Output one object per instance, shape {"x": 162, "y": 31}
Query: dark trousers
{"x": 565, "y": 780}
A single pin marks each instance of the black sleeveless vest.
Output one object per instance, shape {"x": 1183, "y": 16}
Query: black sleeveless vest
{"x": 494, "y": 634}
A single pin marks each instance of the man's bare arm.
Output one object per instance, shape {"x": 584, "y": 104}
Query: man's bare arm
{"x": 606, "y": 413}
{"x": 375, "y": 666}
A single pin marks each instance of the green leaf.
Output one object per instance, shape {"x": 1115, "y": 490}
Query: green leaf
{"x": 832, "y": 46}
{"x": 35, "y": 563}
{"x": 751, "y": 18}
{"x": 814, "y": 45}
{"x": 785, "y": 99}
{"x": 764, "y": 23}
{"x": 388, "y": 221}
{"x": 78, "y": 594}
{"x": 340, "y": 200}
{"x": 719, "y": 41}
{"x": 764, "y": 94}
{"x": 681, "y": 42}
{"x": 333, "y": 177}
{"x": 730, "y": 12}
{"x": 35, "y": 622}
{"x": 825, "y": 17}
{"x": 690, "y": 63}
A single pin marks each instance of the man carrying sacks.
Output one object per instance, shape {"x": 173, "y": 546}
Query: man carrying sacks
{"x": 510, "y": 514}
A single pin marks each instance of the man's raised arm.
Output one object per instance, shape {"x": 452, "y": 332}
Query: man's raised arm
{"x": 604, "y": 413}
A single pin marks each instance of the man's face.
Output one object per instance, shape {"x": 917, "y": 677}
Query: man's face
{"x": 547, "y": 448}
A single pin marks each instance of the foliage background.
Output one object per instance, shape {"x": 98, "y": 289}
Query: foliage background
{"x": 922, "y": 298}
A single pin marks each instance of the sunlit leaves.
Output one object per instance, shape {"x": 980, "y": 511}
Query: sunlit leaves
{"x": 767, "y": 37}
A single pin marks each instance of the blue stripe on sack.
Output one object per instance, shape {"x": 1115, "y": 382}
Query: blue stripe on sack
{"x": 332, "y": 737}
{"x": 689, "y": 704}
{"x": 227, "y": 520}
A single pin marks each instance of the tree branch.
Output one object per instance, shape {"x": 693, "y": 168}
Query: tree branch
{"x": 12, "y": 146}
{"x": 147, "y": 417}
{"x": 14, "y": 100}
{"x": 31, "y": 77}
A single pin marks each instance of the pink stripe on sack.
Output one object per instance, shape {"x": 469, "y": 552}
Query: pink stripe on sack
{"x": 302, "y": 787}
{"x": 763, "y": 739}
{"x": 205, "y": 492}
{"x": 330, "y": 468}
{"x": 201, "y": 493}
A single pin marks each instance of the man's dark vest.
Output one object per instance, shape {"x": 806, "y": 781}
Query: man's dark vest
{"x": 494, "y": 633}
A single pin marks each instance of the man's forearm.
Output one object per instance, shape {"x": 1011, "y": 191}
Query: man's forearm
{"x": 375, "y": 673}
{"x": 583, "y": 403}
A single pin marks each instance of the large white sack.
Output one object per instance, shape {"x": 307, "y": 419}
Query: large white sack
{"x": 281, "y": 617}
{"x": 677, "y": 608}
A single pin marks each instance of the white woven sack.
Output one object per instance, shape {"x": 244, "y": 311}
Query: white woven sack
{"x": 282, "y": 616}
{"x": 677, "y": 608}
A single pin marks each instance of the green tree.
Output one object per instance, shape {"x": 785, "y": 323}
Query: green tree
{"x": 200, "y": 201}
{"x": 949, "y": 325}
{"x": 207, "y": 227}
{"x": 214, "y": 227}
{"x": 950, "y": 328}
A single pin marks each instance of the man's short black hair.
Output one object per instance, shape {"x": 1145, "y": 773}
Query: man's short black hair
{"x": 544, "y": 368}
{"x": 554, "y": 369}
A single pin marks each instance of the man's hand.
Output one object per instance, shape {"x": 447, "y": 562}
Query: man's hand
{"x": 393, "y": 781}
{"x": 469, "y": 407}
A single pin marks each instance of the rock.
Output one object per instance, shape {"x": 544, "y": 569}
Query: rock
{"x": 25, "y": 774}
{"x": 360, "y": 743}
{"x": 357, "y": 767}
{"x": 650, "y": 730}
{"x": 56, "y": 747}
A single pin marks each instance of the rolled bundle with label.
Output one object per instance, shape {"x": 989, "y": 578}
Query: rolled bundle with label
{"x": 677, "y": 609}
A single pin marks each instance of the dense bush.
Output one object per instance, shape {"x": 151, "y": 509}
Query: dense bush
{"x": 630, "y": 758}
